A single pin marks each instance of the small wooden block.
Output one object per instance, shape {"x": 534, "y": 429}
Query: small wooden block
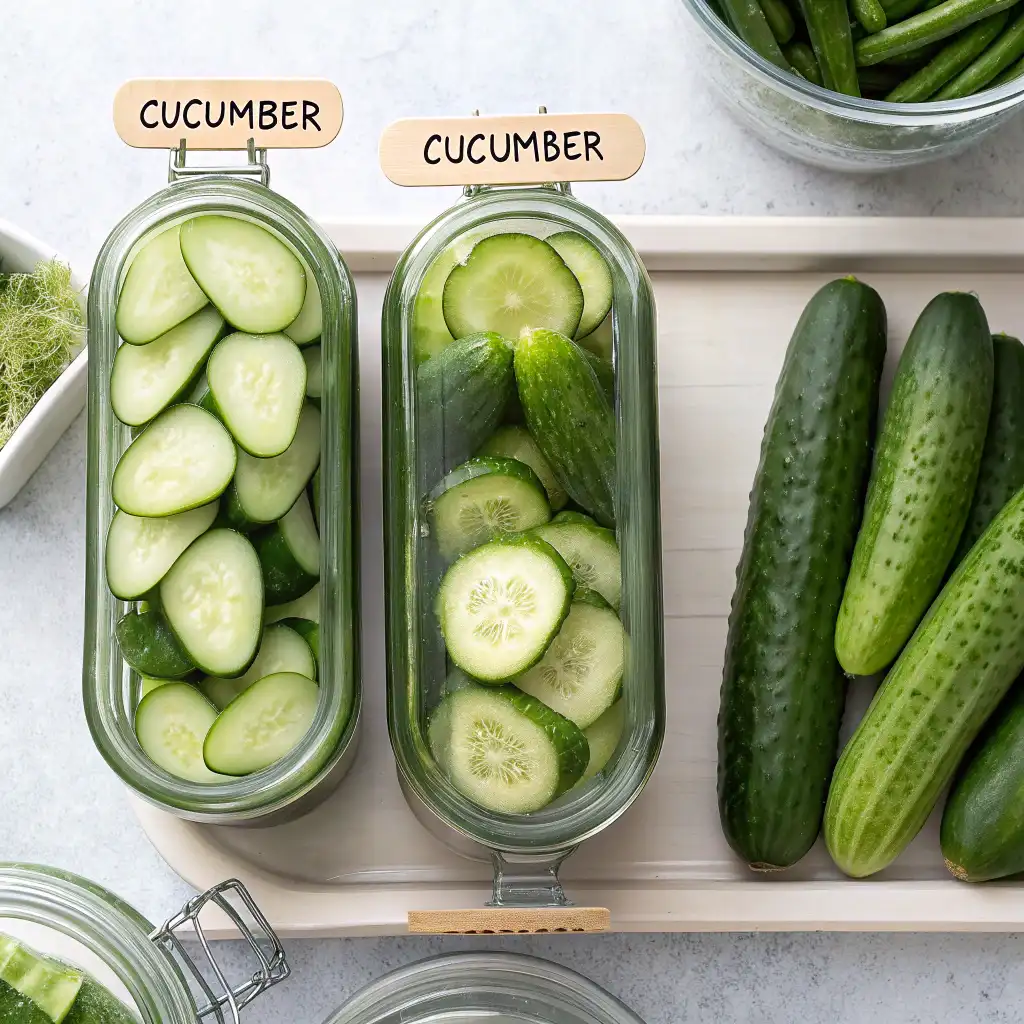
{"x": 509, "y": 921}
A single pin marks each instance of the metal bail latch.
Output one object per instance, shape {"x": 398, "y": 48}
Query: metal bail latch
{"x": 262, "y": 940}
{"x": 256, "y": 167}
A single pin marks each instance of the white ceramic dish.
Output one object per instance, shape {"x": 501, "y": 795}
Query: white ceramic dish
{"x": 62, "y": 402}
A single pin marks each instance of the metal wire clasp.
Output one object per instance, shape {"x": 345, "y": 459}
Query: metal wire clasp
{"x": 273, "y": 967}
{"x": 257, "y": 166}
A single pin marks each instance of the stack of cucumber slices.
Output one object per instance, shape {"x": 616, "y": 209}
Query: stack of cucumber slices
{"x": 515, "y": 394}
{"x": 215, "y": 533}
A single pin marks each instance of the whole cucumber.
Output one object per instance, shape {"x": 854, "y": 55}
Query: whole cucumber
{"x": 922, "y": 481}
{"x": 782, "y": 688}
{"x": 828, "y": 25}
{"x": 948, "y": 680}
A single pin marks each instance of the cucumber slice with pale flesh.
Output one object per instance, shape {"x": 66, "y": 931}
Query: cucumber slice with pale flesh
{"x": 145, "y": 379}
{"x": 590, "y": 551}
{"x": 250, "y": 275}
{"x": 501, "y": 605}
{"x": 314, "y": 371}
{"x": 140, "y": 551}
{"x": 262, "y": 725}
{"x": 51, "y": 987}
{"x": 510, "y": 283}
{"x": 306, "y": 607}
{"x": 290, "y": 554}
{"x": 147, "y": 684}
{"x": 310, "y": 632}
{"x": 308, "y": 325}
{"x": 185, "y": 458}
{"x": 590, "y": 269}
{"x": 483, "y": 499}
{"x": 158, "y": 291}
{"x": 515, "y": 442}
{"x": 430, "y": 333}
{"x": 171, "y": 724}
{"x": 581, "y": 672}
{"x": 282, "y": 649}
{"x": 603, "y": 737}
{"x": 213, "y": 600}
{"x": 505, "y": 750}
{"x": 266, "y": 489}
{"x": 567, "y": 516}
{"x": 601, "y": 342}
{"x": 259, "y": 385}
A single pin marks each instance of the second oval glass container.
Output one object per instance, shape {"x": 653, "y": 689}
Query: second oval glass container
{"x": 417, "y": 665}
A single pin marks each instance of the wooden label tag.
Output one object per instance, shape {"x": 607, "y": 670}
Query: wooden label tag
{"x": 224, "y": 113}
{"x": 518, "y": 150}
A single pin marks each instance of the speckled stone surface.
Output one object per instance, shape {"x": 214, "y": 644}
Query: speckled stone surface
{"x": 65, "y": 177}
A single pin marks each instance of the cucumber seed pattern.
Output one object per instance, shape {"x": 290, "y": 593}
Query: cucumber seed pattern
{"x": 488, "y": 518}
{"x": 495, "y": 755}
{"x": 571, "y": 659}
{"x": 501, "y": 606}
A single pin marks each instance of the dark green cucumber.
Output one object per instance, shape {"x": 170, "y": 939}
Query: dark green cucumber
{"x": 604, "y": 371}
{"x": 1004, "y": 52}
{"x": 1001, "y": 474}
{"x": 949, "y": 679}
{"x": 149, "y": 646}
{"x": 749, "y": 23}
{"x": 801, "y": 56}
{"x": 782, "y": 688}
{"x": 828, "y": 25}
{"x": 870, "y": 13}
{"x": 1011, "y": 74}
{"x": 780, "y": 20}
{"x": 983, "y": 821}
{"x": 925, "y": 469}
{"x": 570, "y": 418}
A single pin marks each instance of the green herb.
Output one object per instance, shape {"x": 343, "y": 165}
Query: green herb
{"x": 41, "y": 328}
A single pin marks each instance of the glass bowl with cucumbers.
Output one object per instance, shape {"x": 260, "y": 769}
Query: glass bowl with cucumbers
{"x": 523, "y": 567}
{"x": 221, "y": 673}
{"x": 864, "y": 85}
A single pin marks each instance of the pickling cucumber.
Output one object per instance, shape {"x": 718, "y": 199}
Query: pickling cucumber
{"x": 171, "y": 724}
{"x": 922, "y": 482}
{"x": 828, "y": 25}
{"x": 949, "y": 679}
{"x": 515, "y": 442}
{"x": 590, "y": 551}
{"x": 289, "y": 553}
{"x": 782, "y": 688}
{"x": 583, "y": 258}
{"x": 307, "y": 327}
{"x": 603, "y": 738}
{"x": 149, "y": 646}
{"x": 430, "y": 334}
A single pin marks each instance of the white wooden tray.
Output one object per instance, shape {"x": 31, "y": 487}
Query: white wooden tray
{"x": 729, "y": 293}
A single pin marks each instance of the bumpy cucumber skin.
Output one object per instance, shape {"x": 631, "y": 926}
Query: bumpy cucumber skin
{"x": 1001, "y": 474}
{"x": 922, "y": 482}
{"x": 149, "y": 646}
{"x": 934, "y": 701}
{"x": 570, "y": 419}
{"x": 782, "y": 688}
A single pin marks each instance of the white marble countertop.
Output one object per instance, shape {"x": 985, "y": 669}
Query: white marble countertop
{"x": 65, "y": 177}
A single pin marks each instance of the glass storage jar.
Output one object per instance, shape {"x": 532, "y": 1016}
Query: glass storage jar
{"x": 148, "y": 969}
{"x": 503, "y": 988}
{"x": 828, "y": 129}
{"x": 306, "y": 775}
{"x": 526, "y": 849}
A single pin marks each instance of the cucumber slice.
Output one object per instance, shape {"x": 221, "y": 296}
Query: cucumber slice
{"x": 574, "y": 517}
{"x": 581, "y": 672}
{"x": 314, "y": 371}
{"x": 502, "y": 604}
{"x": 259, "y": 384}
{"x": 147, "y": 684}
{"x": 250, "y": 275}
{"x": 171, "y": 724}
{"x": 213, "y": 600}
{"x": 510, "y": 283}
{"x": 306, "y": 607}
{"x": 282, "y": 649}
{"x": 588, "y": 265}
{"x": 601, "y": 342}
{"x": 504, "y": 750}
{"x": 145, "y": 379}
{"x": 141, "y": 551}
{"x": 262, "y": 725}
{"x": 516, "y": 442}
{"x": 185, "y": 458}
{"x": 430, "y": 333}
{"x": 290, "y": 554}
{"x": 265, "y": 489}
{"x": 158, "y": 291}
{"x": 308, "y": 325}
{"x": 310, "y": 632}
{"x": 592, "y": 597}
{"x": 149, "y": 646}
{"x": 590, "y": 551}
{"x": 603, "y": 737}
{"x": 484, "y": 499}
{"x": 51, "y": 987}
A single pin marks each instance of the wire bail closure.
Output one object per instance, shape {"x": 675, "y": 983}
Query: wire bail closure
{"x": 256, "y": 167}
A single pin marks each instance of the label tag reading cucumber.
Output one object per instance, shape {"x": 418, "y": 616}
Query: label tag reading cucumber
{"x": 225, "y": 113}
{"x": 516, "y": 150}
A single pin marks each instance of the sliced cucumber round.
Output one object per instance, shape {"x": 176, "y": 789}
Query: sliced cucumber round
{"x": 250, "y": 275}
{"x": 504, "y": 750}
{"x": 502, "y": 604}
{"x": 141, "y": 551}
{"x": 510, "y": 283}
{"x": 574, "y": 517}
{"x": 603, "y": 737}
{"x": 145, "y": 379}
{"x": 308, "y": 325}
{"x": 258, "y": 382}
{"x": 262, "y": 725}
{"x": 515, "y": 442}
{"x": 314, "y": 371}
{"x": 147, "y": 684}
{"x": 149, "y": 646}
{"x": 581, "y": 672}
{"x": 484, "y": 499}
{"x": 213, "y": 600}
{"x": 185, "y": 458}
{"x": 158, "y": 291}
{"x": 590, "y": 269}
{"x": 306, "y": 607}
{"x": 590, "y": 551}
{"x": 290, "y": 554}
{"x": 601, "y": 342}
{"x": 310, "y": 632}
{"x": 171, "y": 724}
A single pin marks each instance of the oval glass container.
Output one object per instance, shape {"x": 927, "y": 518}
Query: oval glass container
{"x": 522, "y": 843}
{"x": 500, "y": 988}
{"x": 60, "y": 915}
{"x": 306, "y": 775}
{"x": 828, "y": 129}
